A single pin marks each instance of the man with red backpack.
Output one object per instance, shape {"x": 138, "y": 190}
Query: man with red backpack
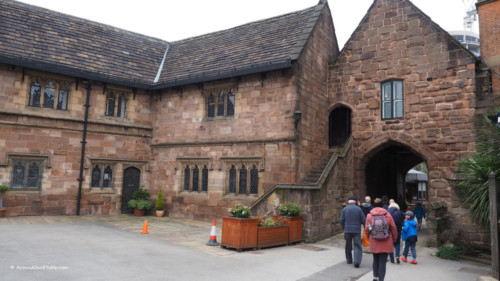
{"x": 382, "y": 233}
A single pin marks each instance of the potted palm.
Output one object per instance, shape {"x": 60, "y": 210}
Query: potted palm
{"x": 291, "y": 214}
{"x": 160, "y": 205}
{"x": 3, "y": 189}
{"x": 239, "y": 231}
{"x": 140, "y": 201}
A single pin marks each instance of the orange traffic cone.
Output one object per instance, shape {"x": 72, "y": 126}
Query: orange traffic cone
{"x": 213, "y": 236}
{"x": 145, "y": 228}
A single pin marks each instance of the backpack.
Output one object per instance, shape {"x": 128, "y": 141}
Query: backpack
{"x": 380, "y": 228}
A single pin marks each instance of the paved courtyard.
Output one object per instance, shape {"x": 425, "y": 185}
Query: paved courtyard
{"x": 112, "y": 248}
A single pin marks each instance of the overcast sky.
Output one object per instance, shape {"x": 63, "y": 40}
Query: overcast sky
{"x": 173, "y": 20}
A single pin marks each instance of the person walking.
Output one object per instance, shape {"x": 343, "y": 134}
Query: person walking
{"x": 399, "y": 219}
{"x": 382, "y": 233}
{"x": 351, "y": 219}
{"x": 419, "y": 214}
{"x": 367, "y": 205}
{"x": 409, "y": 234}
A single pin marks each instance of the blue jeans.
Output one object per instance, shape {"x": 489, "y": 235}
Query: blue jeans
{"x": 379, "y": 263}
{"x": 358, "y": 249}
{"x": 397, "y": 246}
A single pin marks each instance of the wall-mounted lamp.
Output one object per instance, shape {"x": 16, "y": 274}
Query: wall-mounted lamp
{"x": 297, "y": 115}
{"x": 495, "y": 119}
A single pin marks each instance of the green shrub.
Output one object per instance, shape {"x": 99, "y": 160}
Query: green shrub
{"x": 449, "y": 253}
{"x": 160, "y": 205}
{"x": 240, "y": 211}
{"x": 289, "y": 209}
{"x": 4, "y": 188}
{"x": 140, "y": 200}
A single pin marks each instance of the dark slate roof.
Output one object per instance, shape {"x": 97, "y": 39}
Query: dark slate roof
{"x": 42, "y": 39}
{"x": 258, "y": 46}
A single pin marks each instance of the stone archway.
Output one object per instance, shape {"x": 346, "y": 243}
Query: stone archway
{"x": 385, "y": 171}
{"x": 339, "y": 126}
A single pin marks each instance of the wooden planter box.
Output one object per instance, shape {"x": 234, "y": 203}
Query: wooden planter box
{"x": 295, "y": 225}
{"x": 272, "y": 236}
{"x": 239, "y": 233}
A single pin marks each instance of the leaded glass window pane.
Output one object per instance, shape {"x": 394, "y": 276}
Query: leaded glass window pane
{"x": 387, "y": 110}
{"x": 18, "y": 175}
{"x": 33, "y": 176}
{"x": 196, "y": 176}
{"x": 398, "y": 90}
{"x": 49, "y": 95}
{"x": 35, "y": 94}
{"x": 187, "y": 177}
{"x": 243, "y": 180}
{"x": 211, "y": 105}
{"x": 204, "y": 179}
{"x": 386, "y": 92}
{"x": 62, "y": 100}
{"x": 220, "y": 104}
{"x": 122, "y": 107}
{"x": 110, "y": 106}
{"x": 254, "y": 180}
{"x": 232, "y": 180}
{"x": 107, "y": 177}
{"x": 230, "y": 104}
{"x": 96, "y": 176}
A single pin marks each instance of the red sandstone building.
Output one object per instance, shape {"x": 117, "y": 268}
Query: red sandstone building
{"x": 266, "y": 112}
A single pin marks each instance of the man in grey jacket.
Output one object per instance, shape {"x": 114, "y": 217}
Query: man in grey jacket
{"x": 352, "y": 218}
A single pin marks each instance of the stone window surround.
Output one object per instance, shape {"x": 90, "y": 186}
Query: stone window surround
{"x": 117, "y": 180}
{"x": 392, "y": 99}
{"x": 103, "y": 167}
{"x": 45, "y": 159}
{"x": 214, "y": 93}
{"x": 59, "y": 85}
{"x": 181, "y": 164}
{"x": 238, "y": 162}
{"x": 118, "y": 97}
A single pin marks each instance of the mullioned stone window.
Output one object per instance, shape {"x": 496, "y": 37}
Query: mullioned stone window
{"x": 102, "y": 176}
{"x": 48, "y": 93}
{"x": 194, "y": 174}
{"x": 113, "y": 108}
{"x": 243, "y": 175}
{"x": 220, "y": 102}
{"x": 392, "y": 99}
{"x": 27, "y": 171}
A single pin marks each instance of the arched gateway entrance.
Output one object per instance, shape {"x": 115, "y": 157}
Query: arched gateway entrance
{"x": 386, "y": 169}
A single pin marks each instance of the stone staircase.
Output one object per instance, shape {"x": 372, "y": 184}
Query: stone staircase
{"x": 313, "y": 177}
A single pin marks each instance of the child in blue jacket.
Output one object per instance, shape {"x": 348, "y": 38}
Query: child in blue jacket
{"x": 419, "y": 213}
{"x": 409, "y": 235}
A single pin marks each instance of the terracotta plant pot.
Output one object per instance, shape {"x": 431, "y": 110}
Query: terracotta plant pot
{"x": 160, "y": 213}
{"x": 138, "y": 212}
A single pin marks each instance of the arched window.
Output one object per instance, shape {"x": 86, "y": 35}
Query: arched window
{"x": 107, "y": 177}
{"x": 243, "y": 180}
{"x": 110, "y": 105}
{"x": 230, "y": 104}
{"x": 204, "y": 179}
{"x": 18, "y": 176}
{"x": 196, "y": 176}
{"x": 211, "y": 105}
{"x": 62, "y": 99}
{"x": 232, "y": 180}
{"x": 122, "y": 107}
{"x": 187, "y": 178}
{"x": 49, "y": 95}
{"x": 254, "y": 180}
{"x": 220, "y": 104}
{"x": 96, "y": 177}
{"x": 35, "y": 91}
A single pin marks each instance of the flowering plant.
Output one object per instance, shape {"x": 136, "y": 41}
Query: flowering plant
{"x": 240, "y": 211}
{"x": 289, "y": 209}
{"x": 270, "y": 222}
